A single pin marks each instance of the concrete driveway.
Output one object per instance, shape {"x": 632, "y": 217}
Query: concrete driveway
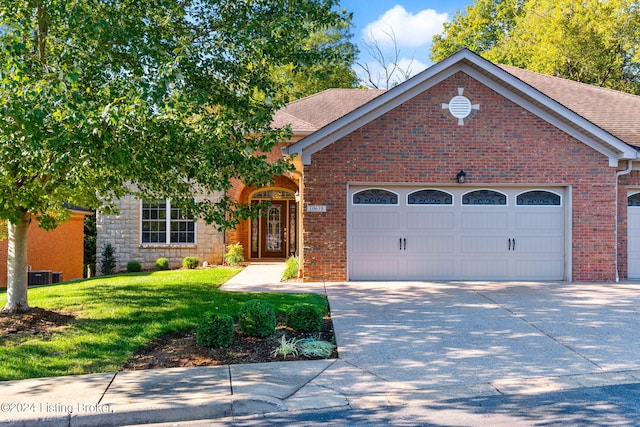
{"x": 517, "y": 337}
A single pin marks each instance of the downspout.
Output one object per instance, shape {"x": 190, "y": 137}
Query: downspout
{"x": 618, "y": 175}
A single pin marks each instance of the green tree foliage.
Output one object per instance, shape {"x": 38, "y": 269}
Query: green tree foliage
{"x": 480, "y": 27}
{"x": 334, "y": 71}
{"x": 592, "y": 41}
{"x": 157, "y": 99}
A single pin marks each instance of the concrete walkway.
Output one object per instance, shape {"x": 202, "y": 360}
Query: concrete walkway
{"x": 401, "y": 344}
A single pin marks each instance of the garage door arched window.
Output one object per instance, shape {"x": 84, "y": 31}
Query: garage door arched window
{"x": 484, "y": 197}
{"x": 430, "y": 197}
{"x": 375, "y": 196}
{"x": 538, "y": 198}
{"x": 634, "y": 200}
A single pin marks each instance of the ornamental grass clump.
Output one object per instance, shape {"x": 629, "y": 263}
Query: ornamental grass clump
{"x": 292, "y": 266}
{"x": 305, "y": 318}
{"x": 215, "y": 331}
{"x": 257, "y": 318}
{"x": 234, "y": 255}
{"x": 286, "y": 348}
{"x": 315, "y": 348}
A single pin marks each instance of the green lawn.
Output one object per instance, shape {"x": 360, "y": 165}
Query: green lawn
{"x": 117, "y": 315}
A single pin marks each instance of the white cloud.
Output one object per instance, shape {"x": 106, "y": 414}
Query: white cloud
{"x": 410, "y": 30}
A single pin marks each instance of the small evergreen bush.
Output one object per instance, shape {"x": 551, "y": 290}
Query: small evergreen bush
{"x": 215, "y": 331}
{"x": 234, "y": 255}
{"x": 133, "y": 267}
{"x": 291, "y": 268}
{"x": 162, "y": 264}
{"x": 108, "y": 261}
{"x": 305, "y": 318}
{"x": 190, "y": 262}
{"x": 257, "y": 318}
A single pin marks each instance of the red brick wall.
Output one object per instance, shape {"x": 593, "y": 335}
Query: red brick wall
{"x": 502, "y": 143}
{"x": 61, "y": 249}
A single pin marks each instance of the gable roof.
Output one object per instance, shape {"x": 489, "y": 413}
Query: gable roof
{"x": 570, "y": 106}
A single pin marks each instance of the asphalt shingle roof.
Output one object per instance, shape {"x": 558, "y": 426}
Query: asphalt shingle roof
{"x": 616, "y": 112}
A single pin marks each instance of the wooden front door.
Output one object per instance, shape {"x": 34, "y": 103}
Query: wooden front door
{"x": 274, "y": 231}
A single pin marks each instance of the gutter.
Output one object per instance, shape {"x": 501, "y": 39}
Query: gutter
{"x": 618, "y": 175}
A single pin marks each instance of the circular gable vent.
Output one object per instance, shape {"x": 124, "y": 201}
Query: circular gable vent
{"x": 460, "y": 107}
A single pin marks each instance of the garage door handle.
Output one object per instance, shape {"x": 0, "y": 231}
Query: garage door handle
{"x": 405, "y": 244}
{"x": 509, "y": 243}
{"x": 400, "y": 243}
{"x": 514, "y": 245}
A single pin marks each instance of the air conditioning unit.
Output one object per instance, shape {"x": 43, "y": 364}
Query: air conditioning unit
{"x": 39, "y": 277}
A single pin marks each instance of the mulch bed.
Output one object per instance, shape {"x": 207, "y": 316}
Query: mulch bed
{"x": 36, "y": 321}
{"x": 178, "y": 349}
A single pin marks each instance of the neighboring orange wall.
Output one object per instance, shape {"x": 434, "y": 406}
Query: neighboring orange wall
{"x": 60, "y": 249}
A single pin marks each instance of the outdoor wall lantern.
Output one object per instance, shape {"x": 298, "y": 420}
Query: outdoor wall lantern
{"x": 460, "y": 177}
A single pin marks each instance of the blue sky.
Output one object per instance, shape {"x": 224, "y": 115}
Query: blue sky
{"x": 413, "y": 22}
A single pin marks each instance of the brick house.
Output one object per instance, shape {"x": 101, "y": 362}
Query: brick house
{"x": 468, "y": 171}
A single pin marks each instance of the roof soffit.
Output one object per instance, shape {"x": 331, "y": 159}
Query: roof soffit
{"x": 488, "y": 74}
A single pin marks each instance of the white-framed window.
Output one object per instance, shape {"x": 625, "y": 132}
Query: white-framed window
{"x": 375, "y": 196}
{"x": 162, "y": 223}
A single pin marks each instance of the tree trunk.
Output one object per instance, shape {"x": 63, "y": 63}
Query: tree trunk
{"x": 17, "y": 265}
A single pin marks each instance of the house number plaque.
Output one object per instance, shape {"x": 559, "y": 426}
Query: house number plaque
{"x": 316, "y": 208}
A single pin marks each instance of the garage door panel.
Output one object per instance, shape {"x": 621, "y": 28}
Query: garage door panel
{"x": 375, "y": 221}
{"x": 540, "y": 220}
{"x": 434, "y": 268}
{"x": 538, "y": 245}
{"x": 375, "y": 244}
{"x": 430, "y": 245}
{"x": 421, "y": 220}
{"x": 484, "y": 246}
{"x": 375, "y": 268}
{"x": 486, "y": 221}
{"x": 485, "y": 269}
{"x": 549, "y": 269}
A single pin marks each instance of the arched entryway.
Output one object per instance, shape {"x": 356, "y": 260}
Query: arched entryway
{"x": 275, "y": 233}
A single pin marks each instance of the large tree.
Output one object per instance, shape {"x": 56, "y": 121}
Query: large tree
{"x": 591, "y": 41}
{"x": 158, "y": 99}
{"x": 333, "y": 71}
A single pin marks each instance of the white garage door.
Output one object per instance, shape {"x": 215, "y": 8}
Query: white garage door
{"x": 633, "y": 232}
{"x": 402, "y": 233}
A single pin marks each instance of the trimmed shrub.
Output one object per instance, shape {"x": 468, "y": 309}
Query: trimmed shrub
{"x": 257, "y": 318}
{"x": 108, "y": 261}
{"x": 133, "y": 267}
{"x": 162, "y": 264}
{"x": 234, "y": 255}
{"x": 291, "y": 268}
{"x": 305, "y": 318}
{"x": 190, "y": 262}
{"x": 215, "y": 331}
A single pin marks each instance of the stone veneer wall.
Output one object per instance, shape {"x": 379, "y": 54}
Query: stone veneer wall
{"x": 123, "y": 232}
